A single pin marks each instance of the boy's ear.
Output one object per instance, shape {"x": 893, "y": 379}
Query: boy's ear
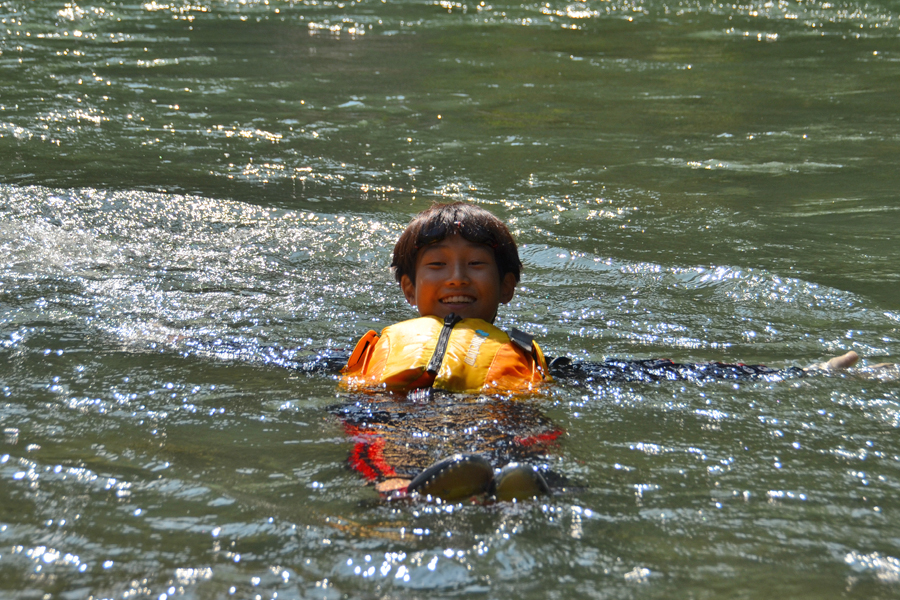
{"x": 409, "y": 289}
{"x": 507, "y": 288}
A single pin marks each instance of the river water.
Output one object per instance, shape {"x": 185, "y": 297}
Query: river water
{"x": 196, "y": 195}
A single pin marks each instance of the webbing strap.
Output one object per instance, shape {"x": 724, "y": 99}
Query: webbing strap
{"x": 522, "y": 340}
{"x": 440, "y": 349}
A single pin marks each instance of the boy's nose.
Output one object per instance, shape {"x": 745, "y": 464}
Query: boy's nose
{"x": 459, "y": 274}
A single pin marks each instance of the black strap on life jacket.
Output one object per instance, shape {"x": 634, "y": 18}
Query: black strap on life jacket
{"x": 519, "y": 338}
{"x": 440, "y": 349}
{"x": 522, "y": 340}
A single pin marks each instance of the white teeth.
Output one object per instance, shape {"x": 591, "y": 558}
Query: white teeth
{"x": 458, "y": 300}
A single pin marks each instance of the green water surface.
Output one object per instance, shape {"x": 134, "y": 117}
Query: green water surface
{"x": 189, "y": 188}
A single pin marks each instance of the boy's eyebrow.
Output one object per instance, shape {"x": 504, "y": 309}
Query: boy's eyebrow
{"x": 435, "y": 246}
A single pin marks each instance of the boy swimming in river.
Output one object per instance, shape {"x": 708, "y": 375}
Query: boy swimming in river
{"x": 457, "y": 263}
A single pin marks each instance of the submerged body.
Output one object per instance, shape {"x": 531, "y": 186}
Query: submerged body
{"x": 397, "y": 450}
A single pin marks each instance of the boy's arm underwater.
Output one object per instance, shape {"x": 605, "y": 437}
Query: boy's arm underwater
{"x": 330, "y": 361}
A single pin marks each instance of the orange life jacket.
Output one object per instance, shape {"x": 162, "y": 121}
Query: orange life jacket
{"x": 467, "y": 355}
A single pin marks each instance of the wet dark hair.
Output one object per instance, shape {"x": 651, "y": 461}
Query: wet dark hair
{"x": 473, "y": 223}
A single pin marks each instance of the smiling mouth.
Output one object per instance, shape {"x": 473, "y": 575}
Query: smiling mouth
{"x": 457, "y": 300}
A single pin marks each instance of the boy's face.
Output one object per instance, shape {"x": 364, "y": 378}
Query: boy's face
{"x": 455, "y": 275}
